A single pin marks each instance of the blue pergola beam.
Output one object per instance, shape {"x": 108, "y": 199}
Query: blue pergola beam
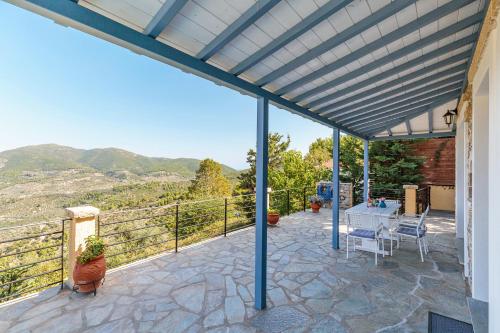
{"x": 386, "y": 40}
{"x": 398, "y": 115}
{"x": 442, "y": 51}
{"x": 81, "y": 18}
{"x": 391, "y": 110}
{"x": 336, "y": 189}
{"x": 291, "y": 34}
{"x": 336, "y": 40}
{"x": 430, "y": 119}
{"x": 338, "y": 113}
{"x": 375, "y": 113}
{"x": 164, "y": 16}
{"x": 400, "y": 100}
{"x": 408, "y": 126}
{"x": 261, "y": 162}
{"x": 366, "y": 161}
{"x": 401, "y": 80}
{"x": 382, "y": 124}
{"x": 402, "y": 110}
{"x": 254, "y": 13}
{"x": 415, "y": 136}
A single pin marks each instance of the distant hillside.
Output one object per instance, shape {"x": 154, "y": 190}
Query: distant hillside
{"x": 51, "y": 157}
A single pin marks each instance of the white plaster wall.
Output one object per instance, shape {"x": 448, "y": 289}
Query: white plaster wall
{"x": 459, "y": 181}
{"x": 480, "y": 190}
{"x": 494, "y": 178}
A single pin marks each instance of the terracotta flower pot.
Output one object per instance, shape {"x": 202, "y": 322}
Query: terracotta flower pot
{"x": 315, "y": 207}
{"x": 273, "y": 218}
{"x": 88, "y": 277}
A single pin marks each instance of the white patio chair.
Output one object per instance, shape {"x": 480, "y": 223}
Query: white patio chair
{"x": 364, "y": 226}
{"x": 417, "y": 231}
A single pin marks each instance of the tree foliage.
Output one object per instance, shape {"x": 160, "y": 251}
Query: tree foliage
{"x": 209, "y": 181}
{"x": 277, "y": 146}
{"x": 393, "y": 164}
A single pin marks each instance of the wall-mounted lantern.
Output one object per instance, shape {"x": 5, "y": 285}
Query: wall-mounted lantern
{"x": 449, "y": 117}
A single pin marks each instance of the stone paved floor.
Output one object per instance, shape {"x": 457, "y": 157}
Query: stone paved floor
{"x": 311, "y": 288}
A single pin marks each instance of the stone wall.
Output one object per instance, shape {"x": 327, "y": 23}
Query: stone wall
{"x": 346, "y": 200}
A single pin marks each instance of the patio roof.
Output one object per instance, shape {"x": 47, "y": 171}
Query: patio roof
{"x": 372, "y": 69}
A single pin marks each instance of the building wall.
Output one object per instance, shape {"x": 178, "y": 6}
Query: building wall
{"x": 494, "y": 180}
{"x": 479, "y": 113}
{"x": 439, "y": 170}
{"x": 439, "y": 165}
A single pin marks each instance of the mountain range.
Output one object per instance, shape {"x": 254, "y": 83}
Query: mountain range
{"x": 52, "y": 157}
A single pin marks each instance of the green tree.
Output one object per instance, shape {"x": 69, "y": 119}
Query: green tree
{"x": 351, "y": 164}
{"x": 351, "y": 160}
{"x": 393, "y": 164}
{"x": 209, "y": 181}
{"x": 319, "y": 157}
{"x": 277, "y": 146}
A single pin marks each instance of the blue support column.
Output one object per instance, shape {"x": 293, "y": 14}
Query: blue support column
{"x": 365, "y": 172}
{"x": 261, "y": 203}
{"x": 336, "y": 189}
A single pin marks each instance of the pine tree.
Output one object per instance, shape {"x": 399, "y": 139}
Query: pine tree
{"x": 393, "y": 164}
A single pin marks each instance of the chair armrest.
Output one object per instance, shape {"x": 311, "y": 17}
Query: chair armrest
{"x": 412, "y": 216}
{"x": 408, "y": 225}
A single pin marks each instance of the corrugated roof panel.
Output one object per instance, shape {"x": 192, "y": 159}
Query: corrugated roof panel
{"x": 199, "y": 22}
{"x": 132, "y": 13}
{"x": 420, "y": 124}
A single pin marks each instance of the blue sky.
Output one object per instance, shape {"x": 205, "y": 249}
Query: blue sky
{"x": 59, "y": 85}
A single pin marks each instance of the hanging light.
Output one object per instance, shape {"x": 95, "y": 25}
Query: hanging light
{"x": 449, "y": 117}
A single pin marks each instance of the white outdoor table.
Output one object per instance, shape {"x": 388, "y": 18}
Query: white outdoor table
{"x": 384, "y": 215}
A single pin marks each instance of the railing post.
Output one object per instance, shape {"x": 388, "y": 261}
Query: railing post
{"x": 288, "y": 202}
{"x": 176, "y": 227}
{"x": 98, "y": 226}
{"x": 225, "y": 217}
{"x": 62, "y": 253}
{"x": 82, "y": 225}
{"x": 304, "y": 200}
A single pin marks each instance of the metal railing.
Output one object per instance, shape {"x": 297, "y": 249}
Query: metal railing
{"x": 34, "y": 258}
{"x": 31, "y": 258}
{"x": 136, "y": 234}
{"x": 389, "y": 193}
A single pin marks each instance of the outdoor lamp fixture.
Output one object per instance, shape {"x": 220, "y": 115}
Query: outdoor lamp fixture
{"x": 449, "y": 117}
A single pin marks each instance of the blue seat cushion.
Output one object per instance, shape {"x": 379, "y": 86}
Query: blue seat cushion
{"x": 411, "y": 231}
{"x": 363, "y": 233}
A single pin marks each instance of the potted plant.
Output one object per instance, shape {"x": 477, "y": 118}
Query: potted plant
{"x": 273, "y": 217}
{"x": 316, "y": 203}
{"x": 90, "y": 266}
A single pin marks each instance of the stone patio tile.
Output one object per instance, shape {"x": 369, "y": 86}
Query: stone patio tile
{"x": 191, "y": 297}
{"x": 311, "y": 288}
{"x": 175, "y": 322}
{"x": 234, "y": 309}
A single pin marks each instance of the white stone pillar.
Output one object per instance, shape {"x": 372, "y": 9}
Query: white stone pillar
{"x": 459, "y": 181}
{"x": 494, "y": 183}
{"x": 480, "y": 191}
{"x": 82, "y": 225}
